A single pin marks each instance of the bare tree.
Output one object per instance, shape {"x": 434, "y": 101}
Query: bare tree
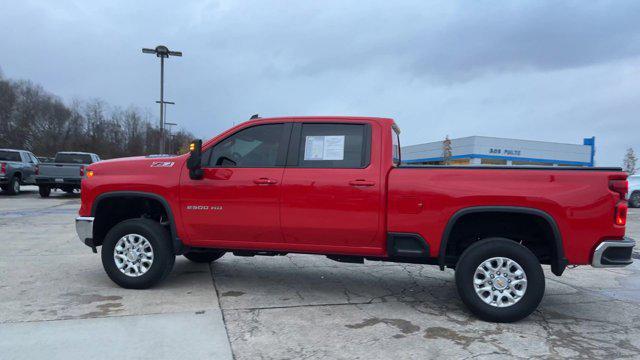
{"x": 629, "y": 162}
{"x": 35, "y": 120}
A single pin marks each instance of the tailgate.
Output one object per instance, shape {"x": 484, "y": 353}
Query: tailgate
{"x": 60, "y": 170}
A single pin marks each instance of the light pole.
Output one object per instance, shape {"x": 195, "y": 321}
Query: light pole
{"x": 164, "y": 108}
{"x": 162, "y": 52}
{"x": 167, "y": 124}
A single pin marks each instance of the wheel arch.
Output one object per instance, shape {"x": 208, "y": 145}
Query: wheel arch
{"x": 558, "y": 260}
{"x": 176, "y": 243}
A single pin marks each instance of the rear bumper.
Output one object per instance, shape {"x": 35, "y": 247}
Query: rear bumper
{"x": 84, "y": 228}
{"x": 4, "y": 180}
{"x": 613, "y": 253}
{"x": 58, "y": 182}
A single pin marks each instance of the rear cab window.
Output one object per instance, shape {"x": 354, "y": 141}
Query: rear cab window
{"x": 395, "y": 147}
{"x": 10, "y": 156}
{"x": 69, "y": 158}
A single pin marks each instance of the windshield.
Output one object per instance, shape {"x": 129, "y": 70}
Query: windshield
{"x": 9, "y": 155}
{"x": 74, "y": 158}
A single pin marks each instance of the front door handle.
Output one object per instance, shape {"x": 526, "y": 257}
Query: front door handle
{"x": 361, "y": 182}
{"x": 265, "y": 181}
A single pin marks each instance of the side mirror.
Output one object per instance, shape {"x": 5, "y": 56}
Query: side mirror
{"x": 194, "y": 163}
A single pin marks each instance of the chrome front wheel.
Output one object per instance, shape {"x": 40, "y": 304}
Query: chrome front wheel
{"x": 133, "y": 255}
{"x": 500, "y": 281}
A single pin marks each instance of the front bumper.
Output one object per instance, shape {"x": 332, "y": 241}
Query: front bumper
{"x": 84, "y": 228}
{"x": 613, "y": 253}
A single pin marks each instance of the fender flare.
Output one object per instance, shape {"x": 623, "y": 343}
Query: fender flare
{"x": 558, "y": 261}
{"x": 177, "y": 244}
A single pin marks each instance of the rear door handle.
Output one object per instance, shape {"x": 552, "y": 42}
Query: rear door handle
{"x": 265, "y": 181}
{"x": 361, "y": 182}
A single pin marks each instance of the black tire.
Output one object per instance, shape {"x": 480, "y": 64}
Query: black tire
{"x": 634, "y": 199}
{"x": 485, "y": 249}
{"x": 163, "y": 256}
{"x": 204, "y": 256}
{"x": 44, "y": 191}
{"x": 14, "y": 185}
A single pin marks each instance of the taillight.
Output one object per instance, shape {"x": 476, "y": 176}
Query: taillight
{"x": 619, "y": 186}
{"x": 37, "y": 169}
{"x": 3, "y": 168}
{"x": 81, "y": 170}
{"x": 621, "y": 213}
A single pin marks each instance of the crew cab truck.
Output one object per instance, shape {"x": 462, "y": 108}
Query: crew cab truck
{"x": 65, "y": 173}
{"x": 336, "y": 186}
{"x": 17, "y": 167}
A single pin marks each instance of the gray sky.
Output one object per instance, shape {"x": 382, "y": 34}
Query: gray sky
{"x": 539, "y": 70}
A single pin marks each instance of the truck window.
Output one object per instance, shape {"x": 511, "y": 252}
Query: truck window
{"x": 10, "y": 155}
{"x": 257, "y": 146}
{"x": 333, "y": 146}
{"x": 74, "y": 158}
{"x": 33, "y": 159}
{"x": 395, "y": 146}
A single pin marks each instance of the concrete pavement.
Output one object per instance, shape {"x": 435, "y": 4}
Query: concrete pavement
{"x": 57, "y": 303}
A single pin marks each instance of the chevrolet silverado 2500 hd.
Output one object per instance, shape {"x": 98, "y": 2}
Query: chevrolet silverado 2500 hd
{"x": 336, "y": 186}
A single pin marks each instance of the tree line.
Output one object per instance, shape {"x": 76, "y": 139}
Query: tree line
{"x": 33, "y": 119}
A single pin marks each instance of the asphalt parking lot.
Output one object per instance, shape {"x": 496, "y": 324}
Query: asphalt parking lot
{"x": 57, "y": 302}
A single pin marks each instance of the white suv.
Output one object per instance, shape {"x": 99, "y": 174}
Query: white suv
{"x": 634, "y": 191}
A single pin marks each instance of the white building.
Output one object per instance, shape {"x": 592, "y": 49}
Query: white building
{"x": 484, "y": 150}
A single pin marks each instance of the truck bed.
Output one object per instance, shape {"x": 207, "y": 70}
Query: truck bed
{"x": 579, "y": 199}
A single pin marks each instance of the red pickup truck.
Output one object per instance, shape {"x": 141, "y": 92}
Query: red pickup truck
{"x": 336, "y": 186}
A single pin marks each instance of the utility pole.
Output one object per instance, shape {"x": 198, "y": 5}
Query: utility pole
{"x": 162, "y": 52}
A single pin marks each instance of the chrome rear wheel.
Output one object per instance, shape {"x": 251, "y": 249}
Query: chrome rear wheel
{"x": 500, "y": 281}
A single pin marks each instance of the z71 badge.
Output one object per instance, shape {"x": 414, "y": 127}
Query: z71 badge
{"x": 162, "y": 164}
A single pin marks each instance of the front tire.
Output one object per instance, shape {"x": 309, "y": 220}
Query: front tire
{"x": 204, "y": 256}
{"x": 500, "y": 280}
{"x": 44, "y": 191}
{"x": 137, "y": 253}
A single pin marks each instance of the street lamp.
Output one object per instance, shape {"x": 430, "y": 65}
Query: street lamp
{"x": 162, "y": 52}
{"x": 169, "y": 136}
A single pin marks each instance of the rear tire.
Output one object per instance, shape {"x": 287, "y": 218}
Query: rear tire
{"x": 634, "y": 199}
{"x": 14, "y": 185}
{"x": 205, "y": 256}
{"x": 156, "y": 241}
{"x": 469, "y": 273}
{"x": 44, "y": 191}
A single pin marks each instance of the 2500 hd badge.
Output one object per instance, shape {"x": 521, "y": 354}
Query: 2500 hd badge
{"x": 204, "y": 207}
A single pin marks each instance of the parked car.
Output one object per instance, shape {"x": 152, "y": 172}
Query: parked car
{"x": 17, "y": 167}
{"x": 336, "y": 186}
{"x": 634, "y": 191}
{"x": 65, "y": 173}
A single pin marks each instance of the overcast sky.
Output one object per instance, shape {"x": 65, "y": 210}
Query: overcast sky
{"x": 553, "y": 71}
